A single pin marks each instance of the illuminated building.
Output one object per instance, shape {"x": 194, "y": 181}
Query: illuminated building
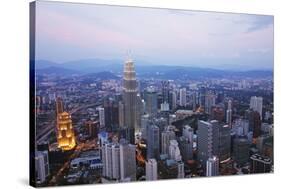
{"x": 65, "y": 135}
{"x": 229, "y": 113}
{"x": 129, "y": 97}
{"x": 174, "y": 151}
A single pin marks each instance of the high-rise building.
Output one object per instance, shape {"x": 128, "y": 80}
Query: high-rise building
{"x": 186, "y": 148}
{"x": 212, "y": 166}
{"x": 224, "y": 143}
{"x": 41, "y": 166}
{"x": 111, "y": 114}
{"x": 153, "y": 142}
{"x": 183, "y": 97}
{"x": 111, "y": 160}
{"x": 59, "y": 106}
{"x": 130, "y": 96}
{"x": 229, "y": 113}
{"x": 150, "y": 97}
{"x": 144, "y": 124}
{"x": 165, "y": 91}
{"x": 65, "y": 132}
{"x": 241, "y": 148}
{"x": 101, "y": 117}
{"x": 256, "y": 104}
{"x": 151, "y": 169}
{"x": 174, "y": 151}
{"x": 188, "y": 133}
{"x": 180, "y": 169}
{"x": 260, "y": 164}
{"x": 174, "y": 100}
{"x": 166, "y": 136}
{"x": 121, "y": 114}
{"x": 255, "y": 123}
{"x": 210, "y": 101}
{"x": 127, "y": 161}
{"x": 208, "y": 140}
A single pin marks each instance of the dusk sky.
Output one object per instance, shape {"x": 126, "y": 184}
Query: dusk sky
{"x": 66, "y": 32}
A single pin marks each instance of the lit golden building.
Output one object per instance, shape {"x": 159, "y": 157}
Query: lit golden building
{"x": 65, "y": 135}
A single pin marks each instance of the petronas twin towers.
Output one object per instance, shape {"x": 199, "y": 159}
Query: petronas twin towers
{"x": 130, "y": 99}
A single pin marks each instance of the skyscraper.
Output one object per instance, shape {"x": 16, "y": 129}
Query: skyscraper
{"x": 241, "y": 150}
{"x": 210, "y": 101}
{"x": 260, "y": 164}
{"x": 127, "y": 161}
{"x": 208, "y": 140}
{"x": 224, "y": 143}
{"x": 256, "y": 104}
{"x": 153, "y": 142}
{"x": 174, "y": 151}
{"x": 180, "y": 169}
{"x": 130, "y": 95}
{"x": 166, "y": 136}
{"x": 121, "y": 114}
{"x": 229, "y": 113}
{"x": 42, "y": 166}
{"x": 212, "y": 166}
{"x": 150, "y": 97}
{"x": 183, "y": 97}
{"x": 101, "y": 117}
{"x": 111, "y": 160}
{"x": 151, "y": 169}
{"x": 65, "y": 134}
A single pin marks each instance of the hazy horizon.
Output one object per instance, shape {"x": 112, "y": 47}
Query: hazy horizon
{"x": 71, "y": 31}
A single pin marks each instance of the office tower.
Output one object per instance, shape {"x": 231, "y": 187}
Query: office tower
{"x": 59, "y": 106}
{"x": 151, "y": 169}
{"x": 65, "y": 134}
{"x": 174, "y": 100}
{"x": 218, "y": 113}
{"x": 174, "y": 151}
{"x": 165, "y": 91}
{"x": 241, "y": 127}
{"x": 111, "y": 114}
{"x": 224, "y": 143}
{"x": 127, "y": 161}
{"x": 150, "y": 97}
{"x": 180, "y": 169}
{"x": 41, "y": 166}
{"x": 188, "y": 133}
{"x": 130, "y": 95}
{"x": 255, "y": 123}
{"x": 153, "y": 142}
{"x": 241, "y": 148}
{"x": 92, "y": 128}
{"x": 212, "y": 166}
{"x": 101, "y": 117}
{"x": 144, "y": 124}
{"x": 165, "y": 106}
{"x": 139, "y": 112}
{"x": 208, "y": 140}
{"x": 166, "y": 136}
{"x": 210, "y": 101}
{"x": 229, "y": 113}
{"x": 202, "y": 96}
{"x": 260, "y": 164}
{"x": 186, "y": 148}
{"x": 194, "y": 100}
{"x": 256, "y": 104}
{"x": 111, "y": 160}
{"x": 121, "y": 114}
{"x": 183, "y": 97}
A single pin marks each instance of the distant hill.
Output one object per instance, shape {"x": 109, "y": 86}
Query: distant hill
{"x": 56, "y": 71}
{"x": 111, "y": 68}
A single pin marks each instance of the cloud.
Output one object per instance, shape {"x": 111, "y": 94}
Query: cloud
{"x": 260, "y": 23}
